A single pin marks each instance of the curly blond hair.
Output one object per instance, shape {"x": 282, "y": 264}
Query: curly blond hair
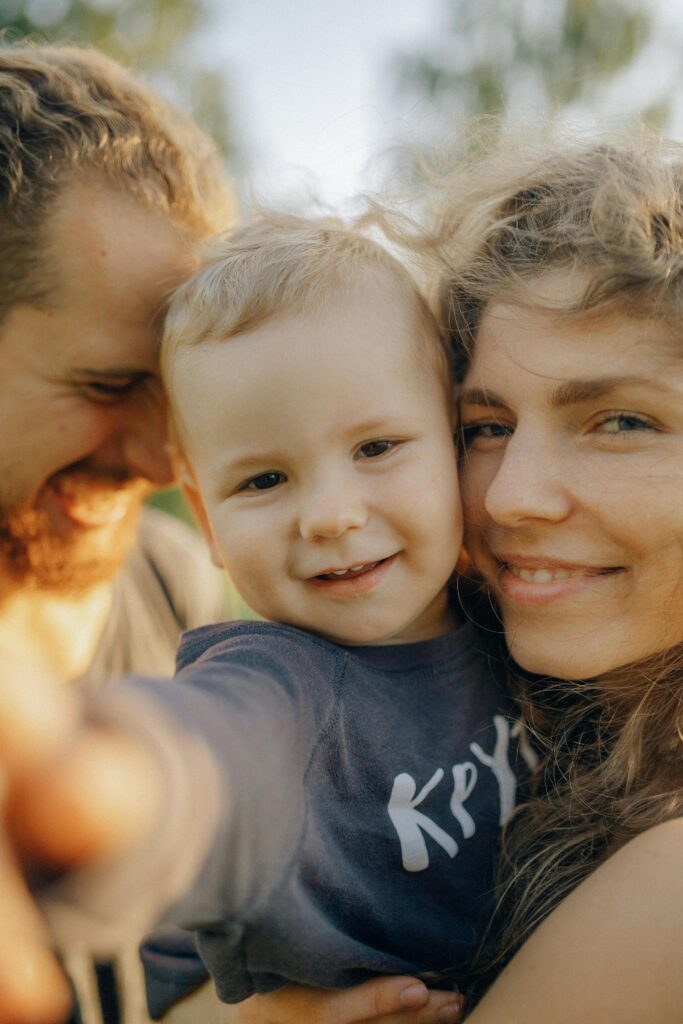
{"x": 277, "y": 264}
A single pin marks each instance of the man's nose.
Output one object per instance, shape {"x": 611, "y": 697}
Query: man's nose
{"x": 148, "y": 458}
{"x": 140, "y": 445}
{"x": 330, "y": 511}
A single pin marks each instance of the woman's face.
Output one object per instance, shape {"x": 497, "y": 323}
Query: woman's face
{"x": 572, "y": 484}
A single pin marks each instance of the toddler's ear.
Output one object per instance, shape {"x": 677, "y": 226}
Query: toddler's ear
{"x": 191, "y": 491}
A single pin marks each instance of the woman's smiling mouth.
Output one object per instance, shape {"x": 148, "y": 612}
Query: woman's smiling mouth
{"x": 543, "y": 580}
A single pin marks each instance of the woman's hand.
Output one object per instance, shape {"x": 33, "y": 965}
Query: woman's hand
{"x": 381, "y": 1000}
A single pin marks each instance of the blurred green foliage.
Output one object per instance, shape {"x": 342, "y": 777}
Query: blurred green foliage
{"x": 496, "y": 56}
{"x": 173, "y": 502}
{"x": 155, "y": 37}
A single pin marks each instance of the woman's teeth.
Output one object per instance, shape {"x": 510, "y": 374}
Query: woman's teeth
{"x": 549, "y": 575}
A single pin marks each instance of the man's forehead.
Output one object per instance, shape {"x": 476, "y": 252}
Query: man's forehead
{"x": 117, "y": 257}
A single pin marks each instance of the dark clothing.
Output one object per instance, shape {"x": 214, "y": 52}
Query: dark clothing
{"x": 367, "y": 788}
{"x": 167, "y": 585}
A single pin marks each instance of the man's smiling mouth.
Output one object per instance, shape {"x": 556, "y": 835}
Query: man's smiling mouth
{"x": 90, "y": 501}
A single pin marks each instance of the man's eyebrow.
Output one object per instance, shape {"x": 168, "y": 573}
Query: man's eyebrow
{"x": 571, "y": 392}
{"x": 111, "y": 373}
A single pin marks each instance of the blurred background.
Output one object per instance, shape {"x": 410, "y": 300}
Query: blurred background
{"x": 302, "y": 95}
{"x": 311, "y": 100}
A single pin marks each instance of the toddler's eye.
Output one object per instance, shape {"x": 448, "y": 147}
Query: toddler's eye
{"x": 373, "y": 449}
{"x": 264, "y": 482}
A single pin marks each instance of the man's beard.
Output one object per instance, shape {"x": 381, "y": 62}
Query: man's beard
{"x": 33, "y": 555}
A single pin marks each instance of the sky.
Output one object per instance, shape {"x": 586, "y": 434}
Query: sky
{"x": 311, "y": 88}
{"x": 313, "y": 95}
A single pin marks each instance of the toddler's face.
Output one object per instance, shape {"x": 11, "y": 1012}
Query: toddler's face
{"x": 322, "y": 445}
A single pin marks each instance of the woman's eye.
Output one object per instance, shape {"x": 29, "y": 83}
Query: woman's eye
{"x": 264, "y": 482}
{"x": 373, "y": 449}
{"x": 623, "y": 423}
{"x": 488, "y": 435}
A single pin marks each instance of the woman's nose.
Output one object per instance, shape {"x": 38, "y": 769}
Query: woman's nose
{"x": 532, "y": 482}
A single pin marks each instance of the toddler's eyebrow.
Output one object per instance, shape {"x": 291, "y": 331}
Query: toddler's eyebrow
{"x": 255, "y": 460}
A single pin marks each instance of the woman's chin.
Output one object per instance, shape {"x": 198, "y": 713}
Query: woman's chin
{"x": 576, "y": 647}
{"x": 571, "y": 661}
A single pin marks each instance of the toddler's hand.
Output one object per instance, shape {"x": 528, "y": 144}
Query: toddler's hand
{"x": 69, "y": 795}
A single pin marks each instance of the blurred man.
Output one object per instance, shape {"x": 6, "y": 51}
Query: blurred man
{"x": 104, "y": 193}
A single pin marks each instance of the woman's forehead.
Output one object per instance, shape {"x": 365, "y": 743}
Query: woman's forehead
{"x": 517, "y": 339}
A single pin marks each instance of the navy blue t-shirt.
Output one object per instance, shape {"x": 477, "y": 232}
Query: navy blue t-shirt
{"x": 368, "y": 787}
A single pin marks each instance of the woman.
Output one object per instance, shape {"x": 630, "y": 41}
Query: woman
{"x": 564, "y": 298}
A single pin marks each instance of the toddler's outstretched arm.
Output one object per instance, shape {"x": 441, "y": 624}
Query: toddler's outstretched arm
{"x": 53, "y": 771}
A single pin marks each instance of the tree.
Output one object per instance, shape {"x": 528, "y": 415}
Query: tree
{"x": 156, "y": 37}
{"x": 544, "y": 57}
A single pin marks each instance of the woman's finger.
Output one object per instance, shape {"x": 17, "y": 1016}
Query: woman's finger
{"x": 380, "y": 1001}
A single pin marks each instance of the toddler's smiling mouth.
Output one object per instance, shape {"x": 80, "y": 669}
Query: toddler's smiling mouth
{"x": 350, "y": 573}
{"x": 356, "y": 579}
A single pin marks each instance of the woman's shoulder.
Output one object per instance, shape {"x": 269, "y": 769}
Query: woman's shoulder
{"x": 612, "y": 951}
{"x": 646, "y": 869}
{"x": 656, "y": 849}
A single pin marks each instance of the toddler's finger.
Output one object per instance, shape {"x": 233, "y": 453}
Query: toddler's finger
{"x": 33, "y": 989}
{"x": 99, "y": 795}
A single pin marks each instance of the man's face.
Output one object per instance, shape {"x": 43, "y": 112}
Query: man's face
{"x": 82, "y": 424}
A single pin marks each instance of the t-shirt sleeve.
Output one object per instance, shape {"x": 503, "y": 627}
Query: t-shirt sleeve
{"x": 235, "y": 734}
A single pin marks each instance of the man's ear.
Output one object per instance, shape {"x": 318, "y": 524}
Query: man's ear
{"x": 189, "y": 485}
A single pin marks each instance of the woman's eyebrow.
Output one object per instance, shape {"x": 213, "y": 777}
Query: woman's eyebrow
{"x": 571, "y": 392}
{"x": 480, "y": 396}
